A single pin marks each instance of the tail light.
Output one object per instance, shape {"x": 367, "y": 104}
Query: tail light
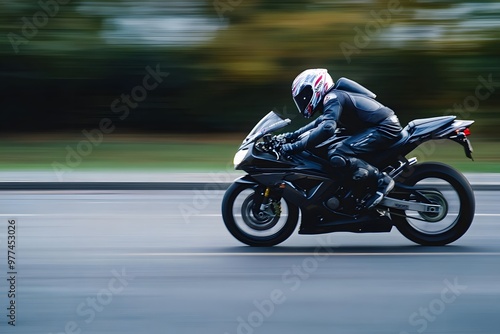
{"x": 463, "y": 133}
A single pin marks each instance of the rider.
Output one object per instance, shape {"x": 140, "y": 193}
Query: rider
{"x": 373, "y": 127}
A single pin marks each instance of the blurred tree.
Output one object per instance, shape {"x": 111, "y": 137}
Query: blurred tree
{"x": 63, "y": 62}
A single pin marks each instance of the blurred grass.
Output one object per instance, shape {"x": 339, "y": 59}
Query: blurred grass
{"x": 129, "y": 153}
{"x": 195, "y": 153}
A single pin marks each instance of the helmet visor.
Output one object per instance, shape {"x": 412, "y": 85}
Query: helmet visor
{"x": 303, "y": 99}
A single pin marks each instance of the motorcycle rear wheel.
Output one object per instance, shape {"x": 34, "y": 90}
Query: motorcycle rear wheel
{"x": 451, "y": 190}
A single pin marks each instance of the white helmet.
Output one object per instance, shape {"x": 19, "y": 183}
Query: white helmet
{"x": 309, "y": 88}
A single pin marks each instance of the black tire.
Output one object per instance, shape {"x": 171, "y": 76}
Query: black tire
{"x": 256, "y": 237}
{"x": 458, "y": 186}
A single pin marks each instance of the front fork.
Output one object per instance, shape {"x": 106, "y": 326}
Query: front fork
{"x": 265, "y": 197}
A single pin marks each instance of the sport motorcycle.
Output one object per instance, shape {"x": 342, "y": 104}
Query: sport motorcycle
{"x": 431, "y": 204}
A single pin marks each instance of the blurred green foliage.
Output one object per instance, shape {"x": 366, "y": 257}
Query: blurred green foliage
{"x": 64, "y": 63}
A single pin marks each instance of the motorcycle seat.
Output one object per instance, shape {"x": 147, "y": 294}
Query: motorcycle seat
{"x": 431, "y": 122}
{"x": 426, "y": 126}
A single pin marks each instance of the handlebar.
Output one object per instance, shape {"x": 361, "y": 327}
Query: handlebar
{"x": 271, "y": 144}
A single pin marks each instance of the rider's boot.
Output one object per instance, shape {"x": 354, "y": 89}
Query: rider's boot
{"x": 364, "y": 172}
{"x": 384, "y": 186}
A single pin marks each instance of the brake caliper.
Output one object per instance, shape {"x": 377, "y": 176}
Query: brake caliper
{"x": 277, "y": 208}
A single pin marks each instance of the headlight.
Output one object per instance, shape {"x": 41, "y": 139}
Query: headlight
{"x": 239, "y": 156}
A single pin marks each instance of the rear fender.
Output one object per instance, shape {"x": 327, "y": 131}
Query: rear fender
{"x": 456, "y": 133}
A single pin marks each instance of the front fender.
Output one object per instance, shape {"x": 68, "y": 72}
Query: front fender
{"x": 246, "y": 179}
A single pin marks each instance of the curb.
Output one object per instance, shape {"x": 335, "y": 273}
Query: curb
{"x": 113, "y": 186}
{"x": 204, "y": 186}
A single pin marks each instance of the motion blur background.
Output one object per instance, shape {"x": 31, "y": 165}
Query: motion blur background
{"x": 63, "y": 64}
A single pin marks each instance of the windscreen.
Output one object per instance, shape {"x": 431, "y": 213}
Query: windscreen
{"x": 271, "y": 122}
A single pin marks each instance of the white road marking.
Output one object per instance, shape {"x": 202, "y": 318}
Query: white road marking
{"x": 313, "y": 254}
{"x": 487, "y": 215}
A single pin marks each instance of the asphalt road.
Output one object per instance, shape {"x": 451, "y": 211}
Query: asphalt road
{"x": 162, "y": 262}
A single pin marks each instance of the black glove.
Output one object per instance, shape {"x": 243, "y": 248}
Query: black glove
{"x": 295, "y": 147}
{"x": 287, "y": 137}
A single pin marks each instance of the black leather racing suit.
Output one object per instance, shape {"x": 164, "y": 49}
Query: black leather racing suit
{"x": 372, "y": 127}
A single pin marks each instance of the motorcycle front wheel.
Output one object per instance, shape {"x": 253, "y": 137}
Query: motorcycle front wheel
{"x": 254, "y": 227}
{"x": 442, "y": 185}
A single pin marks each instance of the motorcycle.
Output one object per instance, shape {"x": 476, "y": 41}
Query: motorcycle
{"x": 431, "y": 204}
